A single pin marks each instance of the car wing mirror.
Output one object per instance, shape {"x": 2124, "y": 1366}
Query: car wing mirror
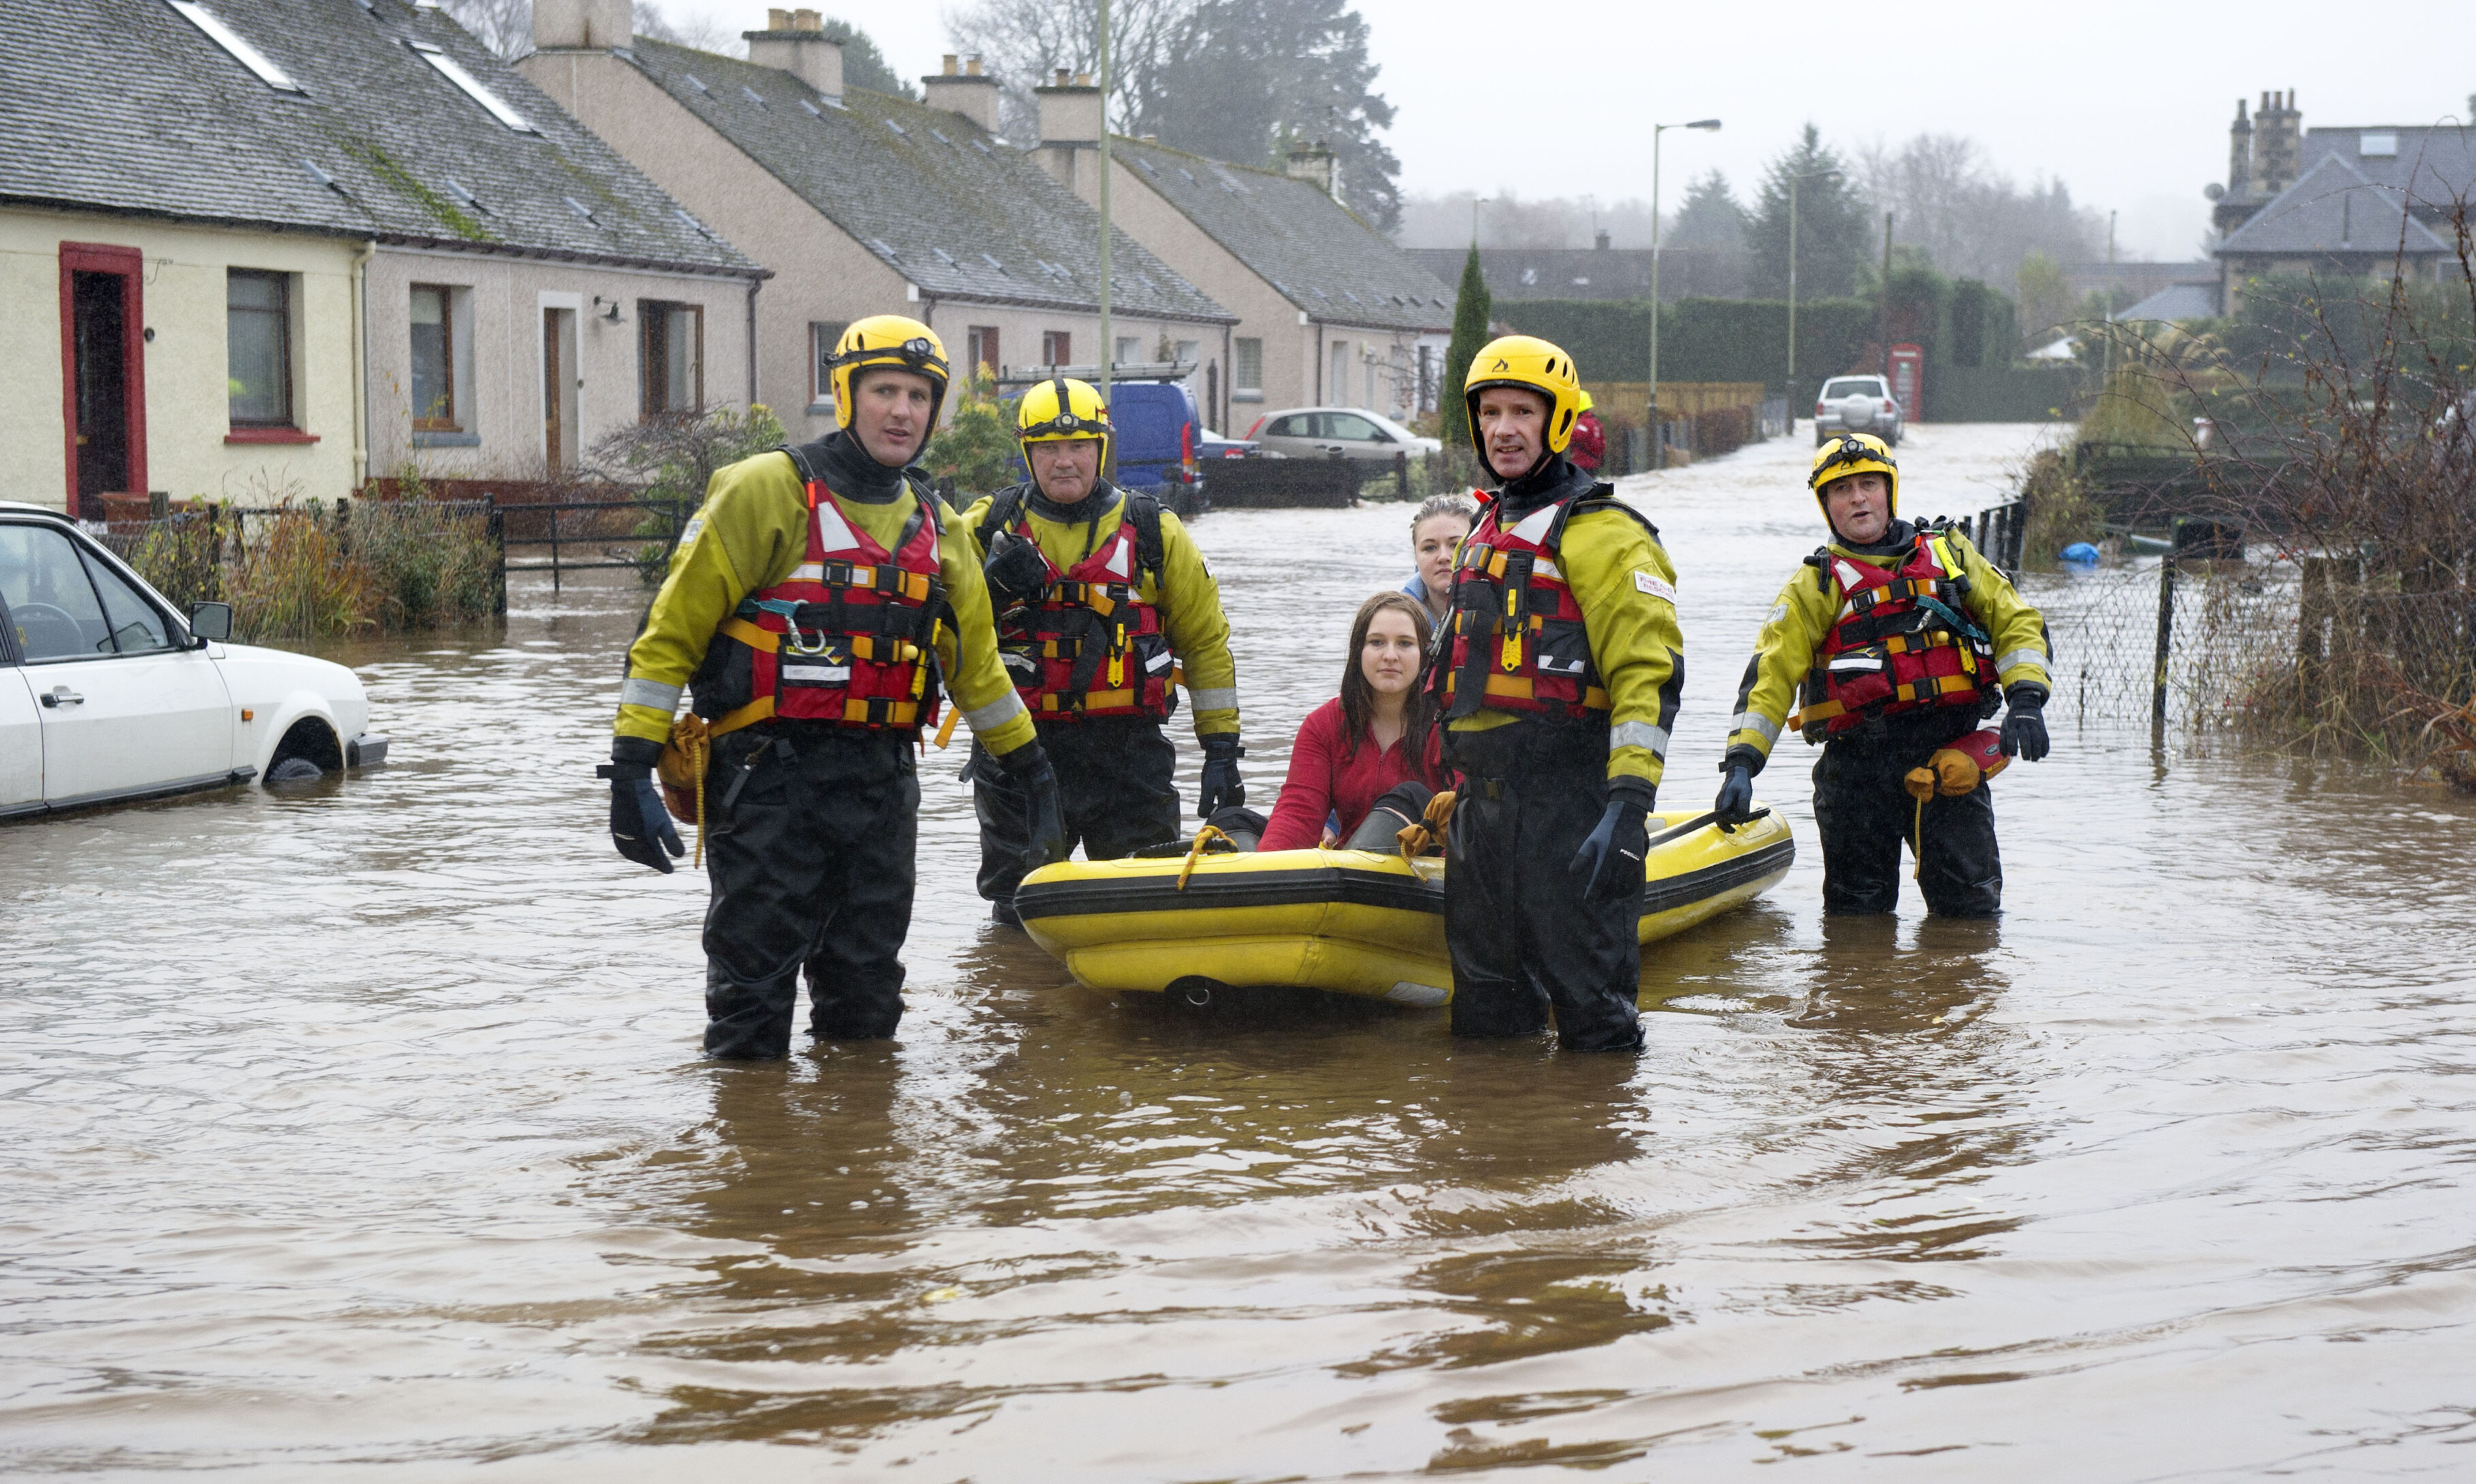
{"x": 210, "y": 623}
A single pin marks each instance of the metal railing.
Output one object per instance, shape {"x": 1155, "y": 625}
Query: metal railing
{"x": 624, "y": 534}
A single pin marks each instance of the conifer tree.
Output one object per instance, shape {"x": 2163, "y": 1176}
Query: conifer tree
{"x": 1471, "y": 308}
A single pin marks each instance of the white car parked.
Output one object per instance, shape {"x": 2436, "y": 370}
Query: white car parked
{"x": 1338, "y": 432}
{"x": 1857, "y": 404}
{"x": 107, "y": 694}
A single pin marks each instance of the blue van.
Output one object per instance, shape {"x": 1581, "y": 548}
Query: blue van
{"x": 1156, "y": 425}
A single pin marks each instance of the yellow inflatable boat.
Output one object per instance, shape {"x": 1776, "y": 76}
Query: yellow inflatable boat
{"x": 1351, "y": 922}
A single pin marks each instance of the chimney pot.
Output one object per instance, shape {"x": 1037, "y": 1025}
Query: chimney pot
{"x": 972, "y": 69}
{"x": 1082, "y": 78}
{"x": 1061, "y": 79}
{"x": 777, "y": 21}
{"x": 808, "y": 20}
{"x": 953, "y": 63}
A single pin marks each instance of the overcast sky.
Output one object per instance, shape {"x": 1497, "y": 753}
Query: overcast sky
{"x": 2127, "y": 103}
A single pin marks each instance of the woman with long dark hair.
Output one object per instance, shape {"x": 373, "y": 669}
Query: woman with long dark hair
{"x": 1379, "y": 733}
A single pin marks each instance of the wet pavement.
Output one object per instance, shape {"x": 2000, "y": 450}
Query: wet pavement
{"x": 361, "y": 1131}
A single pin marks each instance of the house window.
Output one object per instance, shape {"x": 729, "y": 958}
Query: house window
{"x": 434, "y": 360}
{"x": 1246, "y": 365}
{"x": 981, "y": 347}
{"x": 258, "y": 339}
{"x": 1129, "y": 351}
{"x": 671, "y": 355}
{"x": 1056, "y": 348}
{"x": 823, "y": 335}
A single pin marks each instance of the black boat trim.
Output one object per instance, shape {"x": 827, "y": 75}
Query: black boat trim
{"x": 1309, "y": 885}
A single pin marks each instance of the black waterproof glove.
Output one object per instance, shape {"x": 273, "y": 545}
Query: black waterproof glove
{"x": 2024, "y": 724}
{"x": 1618, "y": 833}
{"x": 640, "y": 827}
{"x": 1029, "y": 769}
{"x": 1017, "y": 573}
{"x": 1221, "y": 785}
{"x": 1736, "y": 801}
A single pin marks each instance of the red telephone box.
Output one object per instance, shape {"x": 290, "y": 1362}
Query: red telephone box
{"x": 1909, "y": 380}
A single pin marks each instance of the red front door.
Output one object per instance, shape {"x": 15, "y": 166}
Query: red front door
{"x": 103, "y": 374}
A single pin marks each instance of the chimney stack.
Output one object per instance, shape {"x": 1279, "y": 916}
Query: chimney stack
{"x": 2239, "y": 153}
{"x": 1600, "y": 241}
{"x": 2277, "y": 142}
{"x": 970, "y": 93}
{"x": 795, "y": 41}
{"x": 583, "y": 25}
{"x": 1070, "y": 111}
{"x": 1314, "y": 164}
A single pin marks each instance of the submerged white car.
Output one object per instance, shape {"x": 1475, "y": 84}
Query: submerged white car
{"x": 108, "y": 694}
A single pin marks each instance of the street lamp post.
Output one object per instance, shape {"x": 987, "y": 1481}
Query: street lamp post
{"x": 1108, "y": 342}
{"x": 1812, "y": 175}
{"x": 1651, "y": 404}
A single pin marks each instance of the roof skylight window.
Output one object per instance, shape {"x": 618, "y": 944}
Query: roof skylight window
{"x": 230, "y": 40}
{"x": 453, "y": 71}
{"x": 580, "y": 209}
{"x": 455, "y": 189}
{"x": 2377, "y": 145}
{"x": 326, "y": 180}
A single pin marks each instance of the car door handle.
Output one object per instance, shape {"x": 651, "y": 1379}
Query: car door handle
{"x": 61, "y": 695}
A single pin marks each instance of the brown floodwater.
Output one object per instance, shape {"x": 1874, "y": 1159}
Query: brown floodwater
{"x": 362, "y": 1132}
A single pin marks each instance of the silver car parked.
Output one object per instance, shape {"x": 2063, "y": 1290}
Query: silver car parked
{"x": 1347, "y": 433}
{"x": 1857, "y": 404}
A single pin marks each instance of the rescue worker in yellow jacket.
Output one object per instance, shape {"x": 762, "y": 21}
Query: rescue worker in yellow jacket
{"x": 813, "y": 607}
{"x": 1557, "y": 673}
{"x": 1903, "y": 639}
{"x": 1098, "y": 593}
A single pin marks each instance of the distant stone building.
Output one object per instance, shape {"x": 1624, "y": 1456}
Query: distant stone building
{"x": 2359, "y": 201}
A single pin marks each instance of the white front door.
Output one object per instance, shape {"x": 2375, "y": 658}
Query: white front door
{"x": 21, "y": 745}
{"x": 123, "y": 709}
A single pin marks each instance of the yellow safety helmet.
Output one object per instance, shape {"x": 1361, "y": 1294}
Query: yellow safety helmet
{"x": 1854, "y": 452}
{"x": 1060, "y": 409}
{"x": 888, "y": 340}
{"x": 1586, "y": 402}
{"x": 1533, "y": 364}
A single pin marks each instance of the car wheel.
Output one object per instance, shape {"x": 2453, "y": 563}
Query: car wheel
{"x": 294, "y": 770}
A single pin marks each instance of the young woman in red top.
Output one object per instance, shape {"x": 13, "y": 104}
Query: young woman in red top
{"x": 1381, "y": 731}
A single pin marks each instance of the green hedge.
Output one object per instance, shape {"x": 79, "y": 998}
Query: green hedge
{"x": 2002, "y": 394}
{"x": 1700, "y": 339}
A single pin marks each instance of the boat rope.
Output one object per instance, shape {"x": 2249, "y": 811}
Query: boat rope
{"x": 690, "y": 751}
{"x": 1194, "y": 853}
{"x": 1417, "y": 839}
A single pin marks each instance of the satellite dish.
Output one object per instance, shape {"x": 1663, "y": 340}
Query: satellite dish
{"x": 2213, "y": 191}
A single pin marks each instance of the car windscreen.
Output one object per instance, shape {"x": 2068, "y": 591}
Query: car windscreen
{"x": 1852, "y": 384}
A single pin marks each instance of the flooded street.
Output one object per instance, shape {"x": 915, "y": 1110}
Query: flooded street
{"x": 362, "y": 1132}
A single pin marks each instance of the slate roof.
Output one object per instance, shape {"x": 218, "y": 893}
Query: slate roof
{"x": 2176, "y": 301}
{"x": 2331, "y": 208}
{"x": 1309, "y": 247}
{"x": 2434, "y": 167}
{"x": 928, "y": 193}
{"x": 126, "y": 106}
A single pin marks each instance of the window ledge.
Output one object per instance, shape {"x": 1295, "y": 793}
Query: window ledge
{"x": 1246, "y": 396}
{"x": 269, "y": 435}
{"x": 445, "y": 440}
{"x": 820, "y": 410}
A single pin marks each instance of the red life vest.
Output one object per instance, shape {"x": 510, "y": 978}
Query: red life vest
{"x": 1903, "y": 642}
{"x": 1091, "y": 646}
{"x": 849, "y": 636}
{"x": 1516, "y": 641}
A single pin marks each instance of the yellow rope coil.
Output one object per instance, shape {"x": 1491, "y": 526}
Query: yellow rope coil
{"x": 1415, "y": 839}
{"x": 682, "y": 770}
